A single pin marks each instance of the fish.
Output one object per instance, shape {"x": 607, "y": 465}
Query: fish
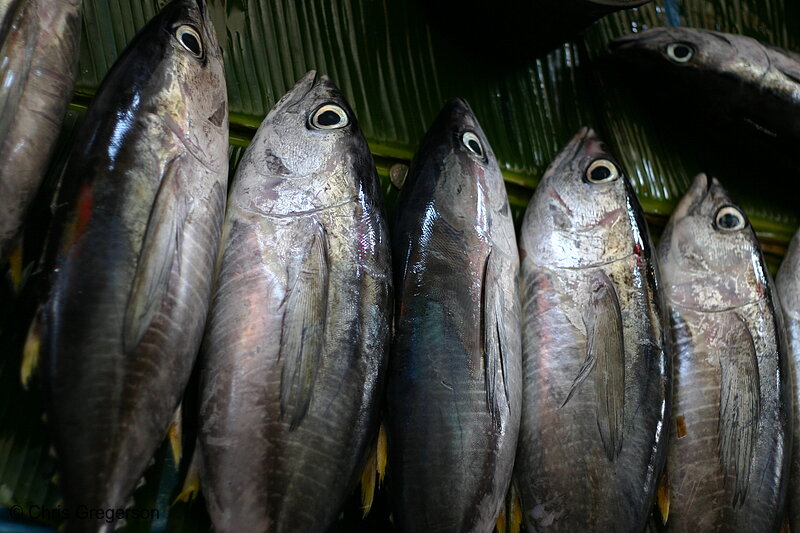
{"x": 595, "y": 365}
{"x": 787, "y": 283}
{"x": 730, "y": 431}
{"x": 294, "y": 361}
{"x": 740, "y": 80}
{"x": 453, "y": 392}
{"x": 129, "y": 261}
{"x": 39, "y": 43}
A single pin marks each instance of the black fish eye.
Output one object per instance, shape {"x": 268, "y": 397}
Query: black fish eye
{"x": 190, "y": 39}
{"x": 601, "y": 171}
{"x": 329, "y": 117}
{"x": 730, "y": 218}
{"x": 680, "y": 52}
{"x": 473, "y": 144}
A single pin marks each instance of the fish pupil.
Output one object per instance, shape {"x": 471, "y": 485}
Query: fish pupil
{"x": 681, "y": 51}
{"x": 600, "y": 173}
{"x": 475, "y": 147}
{"x": 328, "y": 118}
{"x": 191, "y": 42}
{"x": 728, "y": 221}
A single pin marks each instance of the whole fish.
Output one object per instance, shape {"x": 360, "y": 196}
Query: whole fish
{"x": 742, "y": 80}
{"x": 730, "y": 432}
{"x": 454, "y": 380}
{"x": 137, "y": 225}
{"x": 596, "y": 374}
{"x": 38, "y": 65}
{"x": 296, "y": 347}
{"x": 788, "y": 285}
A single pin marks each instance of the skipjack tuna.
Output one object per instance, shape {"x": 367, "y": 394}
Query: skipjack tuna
{"x": 296, "y": 348}
{"x": 596, "y": 374}
{"x": 730, "y": 433}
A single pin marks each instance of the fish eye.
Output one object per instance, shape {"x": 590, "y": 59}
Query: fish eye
{"x": 680, "y": 52}
{"x": 473, "y": 144}
{"x": 602, "y": 171}
{"x": 329, "y": 117}
{"x": 730, "y": 218}
{"x": 190, "y": 39}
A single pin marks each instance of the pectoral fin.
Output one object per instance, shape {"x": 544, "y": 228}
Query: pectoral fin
{"x": 494, "y": 342}
{"x": 740, "y": 404}
{"x": 303, "y": 330}
{"x": 160, "y": 247}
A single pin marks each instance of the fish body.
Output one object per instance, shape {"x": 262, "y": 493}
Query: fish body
{"x": 136, "y": 228}
{"x": 596, "y": 374}
{"x": 454, "y": 381}
{"x": 743, "y": 81}
{"x": 788, "y": 286}
{"x": 39, "y": 41}
{"x": 730, "y": 433}
{"x": 296, "y": 347}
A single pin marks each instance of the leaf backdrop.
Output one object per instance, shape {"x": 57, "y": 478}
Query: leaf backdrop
{"x": 397, "y": 68}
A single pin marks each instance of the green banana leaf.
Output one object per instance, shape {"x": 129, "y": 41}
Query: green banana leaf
{"x": 397, "y": 69}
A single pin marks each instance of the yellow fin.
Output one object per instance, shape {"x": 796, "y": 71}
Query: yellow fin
{"x": 174, "y": 434}
{"x": 191, "y": 483}
{"x": 30, "y": 353}
{"x": 368, "y": 478}
{"x": 662, "y": 496}
{"x": 515, "y": 520}
{"x": 15, "y": 267}
{"x": 382, "y": 454}
{"x": 785, "y": 528}
{"x": 501, "y": 520}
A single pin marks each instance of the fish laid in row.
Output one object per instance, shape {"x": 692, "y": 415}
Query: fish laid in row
{"x": 596, "y": 374}
{"x": 294, "y": 358}
{"x": 38, "y": 65}
{"x": 730, "y": 432}
{"x": 454, "y": 381}
{"x": 136, "y": 227}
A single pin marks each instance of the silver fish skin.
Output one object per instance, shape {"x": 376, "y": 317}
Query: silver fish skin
{"x": 596, "y": 374}
{"x": 39, "y": 41}
{"x": 454, "y": 382}
{"x": 746, "y": 80}
{"x": 730, "y": 432}
{"x": 136, "y": 229}
{"x": 787, "y": 283}
{"x": 296, "y": 348}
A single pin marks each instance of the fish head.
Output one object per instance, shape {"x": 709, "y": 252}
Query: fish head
{"x": 310, "y": 151}
{"x": 457, "y": 162}
{"x": 584, "y": 210}
{"x": 709, "y": 254}
{"x": 686, "y": 52}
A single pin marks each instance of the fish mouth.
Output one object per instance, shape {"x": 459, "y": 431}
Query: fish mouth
{"x": 694, "y": 196}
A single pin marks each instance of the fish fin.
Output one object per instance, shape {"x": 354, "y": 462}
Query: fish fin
{"x": 493, "y": 341}
{"x": 605, "y": 346}
{"x": 515, "y": 513}
{"x": 500, "y": 525}
{"x": 15, "y": 271}
{"x": 191, "y": 483}
{"x": 31, "y": 351}
{"x": 369, "y": 481}
{"x": 303, "y": 329}
{"x": 160, "y": 247}
{"x": 174, "y": 434}
{"x": 662, "y": 497}
{"x": 383, "y": 453}
{"x": 739, "y": 408}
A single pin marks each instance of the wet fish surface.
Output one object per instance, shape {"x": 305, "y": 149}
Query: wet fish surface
{"x": 297, "y": 343}
{"x": 39, "y": 42}
{"x": 454, "y": 379}
{"x": 596, "y": 374}
{"x": 136, "y": 228}
{"x": 788, "y": 286}
{"x": 730, "y": 432}
{"x": 743, "y": 81}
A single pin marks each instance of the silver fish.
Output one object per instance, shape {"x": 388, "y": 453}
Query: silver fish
{"x": 297, "y": 342}
{"x": 596, "y": 389}
{"x": 454, "y": 383}
{"x": 788, "y": 285}
{"x": 38, "y": 65}
{"x": 137, "y": 225}
{"x": 743, "y": 79}
{"x": 730, "y": 432}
